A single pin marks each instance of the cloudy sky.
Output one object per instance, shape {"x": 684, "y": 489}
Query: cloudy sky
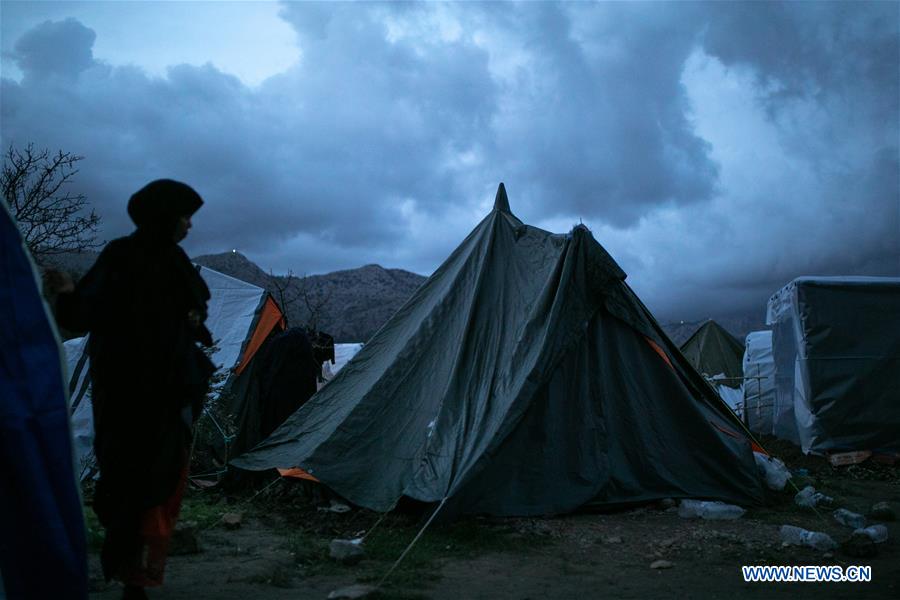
{"x": 716, "y": 150}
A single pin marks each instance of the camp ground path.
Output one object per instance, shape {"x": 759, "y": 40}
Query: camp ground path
{"x": 279, "y": 549}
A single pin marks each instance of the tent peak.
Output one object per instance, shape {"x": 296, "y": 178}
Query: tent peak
{"x": 501, "y": 202}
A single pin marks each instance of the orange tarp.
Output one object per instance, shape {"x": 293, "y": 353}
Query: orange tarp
{"x": 297, "y": 473}
{"x": 659, "y": 351}
{"x": 270, "y": 317}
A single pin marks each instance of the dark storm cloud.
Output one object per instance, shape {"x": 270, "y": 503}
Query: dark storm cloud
{"x": 38, "y": 51}
{"x": 604, "y": 131}
{"x": 718, "y": 150}
{"x": 332, "y": 149}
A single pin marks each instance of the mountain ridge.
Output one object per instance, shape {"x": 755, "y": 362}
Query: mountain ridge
{"x": 352, "y": 304}
{"x": 349, "y": 304}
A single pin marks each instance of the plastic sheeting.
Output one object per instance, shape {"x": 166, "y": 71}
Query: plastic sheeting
{"x": 233, "y": 308}
{"x": 733, "y": 397}
{"x": 43, "y": 550}
{"x": 836, "y": 348}
{"x": 520, "y": 379}
{"x": 342, "y": 355}
{"x": 80, "y": 405}
{"x": 759, "y": 382}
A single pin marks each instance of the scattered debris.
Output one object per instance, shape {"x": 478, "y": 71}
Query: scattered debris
{"x": 232, "y": 520}
{"x": 850, "y": 519}
{"x": 661, "y": 564}
{"x": 353, "y": 592}
{"x": 348, "y": 552}
{"x": 335, "y": 507}
{"x": 184, "y": 539}
{"x": 877, "y": 533}
{"x": 797, "y": 536}
{"x": 715, "y": 510}
{"x": 855, "y": 457}
{"x": 772, "y": 470}
{"x": 882, "y": 511}
{"x": 808, "y": 497}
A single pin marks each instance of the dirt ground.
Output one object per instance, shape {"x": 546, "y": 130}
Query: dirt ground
{"x": 280, "y": 549}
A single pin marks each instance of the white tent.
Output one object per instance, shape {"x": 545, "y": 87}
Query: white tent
{"x": 759, "y": 381}
{"x": 836, "y": 348}
{"x": 342, "y": 355}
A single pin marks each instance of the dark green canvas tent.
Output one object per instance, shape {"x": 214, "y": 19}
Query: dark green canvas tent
{"x": 524, "y": 377}
{"x": 713, "y": 351}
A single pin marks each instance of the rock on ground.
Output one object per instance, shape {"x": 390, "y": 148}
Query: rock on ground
{"x": 348, "y": 552}
{"x": 232, "y": 520}
{"x": 354, "y": 591}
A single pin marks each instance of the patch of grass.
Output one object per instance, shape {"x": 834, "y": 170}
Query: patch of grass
{"x": 94, "y": 530}
{"x": 462, "y": 540}
{"x": 311, "y": 552}
{"x": 204, "y": 511}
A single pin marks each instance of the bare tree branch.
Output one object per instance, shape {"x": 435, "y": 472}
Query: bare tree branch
{"x": 315, "y": 303}
{"x": 52, "y": 220}
{"x": 281, "y": 290}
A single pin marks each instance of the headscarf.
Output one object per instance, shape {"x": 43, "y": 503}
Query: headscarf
{"x": 156, "y": 207}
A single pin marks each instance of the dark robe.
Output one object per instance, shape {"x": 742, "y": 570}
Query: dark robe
{"x": 149, "y": 377}
{"x": 323, "y": 345}
{"x": 287, "y": 378}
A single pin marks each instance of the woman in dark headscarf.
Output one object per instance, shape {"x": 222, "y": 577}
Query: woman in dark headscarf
{"x": 144, "y": 305}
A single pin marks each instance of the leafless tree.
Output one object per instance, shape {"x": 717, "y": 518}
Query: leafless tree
{"x": 52, "y": 219}
{"x": 290, "y": 288}
{"x": 282, "y": 290}
{"x": 315, "y": 302}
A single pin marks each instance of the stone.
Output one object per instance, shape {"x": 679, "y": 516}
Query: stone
{"x": 348, "y": 552}
{"x": 666, "y": 543}
{"x": 232, "y": 520}
{"x": 184, "y": 539}
{"x": 612, "y": 540}
{"x": 353, "y": 592}
{"x": 335, "y": 507}
{"x": 882, "y": 511}
{"x": 666, "y": 503}
{"x": 859, "y": 545}
{"x": 661, "y": 564}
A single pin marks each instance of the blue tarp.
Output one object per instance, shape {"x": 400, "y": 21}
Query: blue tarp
{"x": 42, "y": 536}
